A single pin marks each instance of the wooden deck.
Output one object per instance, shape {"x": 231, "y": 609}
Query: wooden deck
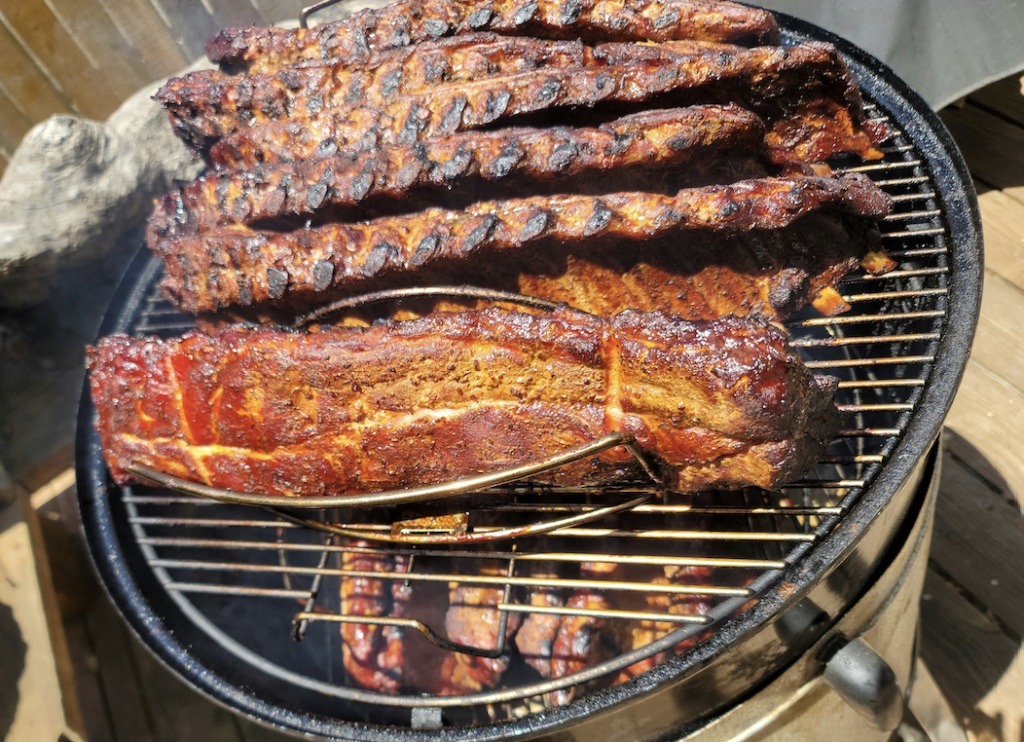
{"x": 973, "y": 606}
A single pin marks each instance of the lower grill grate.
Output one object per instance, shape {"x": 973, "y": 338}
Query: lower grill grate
{"x": 716, "y": 551}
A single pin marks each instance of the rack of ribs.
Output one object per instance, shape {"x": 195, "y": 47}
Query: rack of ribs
{"x": 805, "y": 93}
{"x": 239, "y": 266}
{"x": 722, "y": 403}
{"x": 355, "y": 39}
{"x": 697, "y": 146}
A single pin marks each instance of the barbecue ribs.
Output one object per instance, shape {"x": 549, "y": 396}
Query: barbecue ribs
{"x": 698, "y": 146}
{"x": 724, "y": 403}
{"x": 805, "y": 93}
{"x": 224, "y": 103}
{"x": 355, "y": 39}
{"x": 239, "y": 266}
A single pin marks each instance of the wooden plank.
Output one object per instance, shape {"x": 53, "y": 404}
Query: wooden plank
{"x": 988, "y": 413}
{"x": 979, "y": 543}
{"x": 25, "y": 82}
{"x": 13, "y": 124}
{"x": 969, "y": 657}
{"x": 81, "y": 81}
{"x": 1004, "y": 96}
{"x": 977, "y": 463}
{"x": 999, "y": 341}
{"x": 68, "y": 699}
{"x": 31, "y": 703}
{"x": 179, "y": 713}
{"x": 97, "y": 34}
{"x": 1002, "y": 220}
{"x": 119, "y": 680}
{"x": 993, "y": 147}
{"x": 235, "y": 13}
{"x": 139, "y": 21}
{"x": 77, "y": 592}
{"x": 191, "y": 25}
{"x": 276, "y": 11}
{"x": 49, "y": 468}
{"x": 95, "y": 716}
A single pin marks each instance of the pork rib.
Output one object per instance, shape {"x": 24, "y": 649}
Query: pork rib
{"x": 355, "y": 39}
{"x": 224, "y": 103}
{"x": 723, "y": 403}
{"x": 805, "y": 93}
{"x": 238, "y": 266}
{"x": 706, "y": 143}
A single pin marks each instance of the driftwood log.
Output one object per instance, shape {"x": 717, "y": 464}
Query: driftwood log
{"x": 74, "y": 186}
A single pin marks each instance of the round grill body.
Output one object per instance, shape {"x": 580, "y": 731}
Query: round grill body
{"x": 194, "y": 600}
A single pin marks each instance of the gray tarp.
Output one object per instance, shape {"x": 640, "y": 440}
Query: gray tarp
{"x": 944, "y": 49}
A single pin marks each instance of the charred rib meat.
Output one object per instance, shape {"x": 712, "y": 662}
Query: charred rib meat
{"x": 724, "y": 403}
{"x": 233, "y": 266}
{"x": 703, "y": 144}
{"x": 355, "y": 39}
{"x": 806, "y": 94}
{"x": 224, "y": 103}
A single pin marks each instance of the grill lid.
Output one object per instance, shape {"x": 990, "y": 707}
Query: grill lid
{"x": 188, "y": 574}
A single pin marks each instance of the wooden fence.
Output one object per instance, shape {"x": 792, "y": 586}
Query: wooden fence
{"x": 86, "y": 56}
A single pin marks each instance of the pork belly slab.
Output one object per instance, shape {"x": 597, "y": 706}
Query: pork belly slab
{"x": 722, "y": 403}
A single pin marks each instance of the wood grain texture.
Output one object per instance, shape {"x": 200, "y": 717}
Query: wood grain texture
{"x": 988, "y": 413}
{"x": 191, "y": 23}
{"x": 178, "y": 712}
{"x": 1002, "y": 220}
{"x": 14, "y": 124}
{"x": 1004, "y": 97}
{"x": 38, "y": 714}
{"x": 971, "y": 513}
{"x": 95, "y": 32}
{"x": 141, "y": 23}
{"x": 276, "y": 11}
{"x": 992, "y": 147}
{"x": 999, "y": 341}
{"x": 55, "y": 47}
{"x": 968, "y": 656}
{"x": 33, "y": 93}
{"x": 119, "y": 679}
{"x": 235, "y": 13}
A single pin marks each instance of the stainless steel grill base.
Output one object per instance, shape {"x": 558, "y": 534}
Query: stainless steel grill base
{"x": 799, "y": 706}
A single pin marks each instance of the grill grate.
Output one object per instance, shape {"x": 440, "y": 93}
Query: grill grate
{"x": 218, "y": 561}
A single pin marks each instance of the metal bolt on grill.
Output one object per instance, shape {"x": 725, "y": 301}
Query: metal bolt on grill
{"x": 210, "y": 554}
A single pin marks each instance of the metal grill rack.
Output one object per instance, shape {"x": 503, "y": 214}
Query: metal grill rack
{"x": 217, "y": 561}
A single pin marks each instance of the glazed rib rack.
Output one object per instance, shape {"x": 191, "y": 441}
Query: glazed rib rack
{"x": 217, "y": 561}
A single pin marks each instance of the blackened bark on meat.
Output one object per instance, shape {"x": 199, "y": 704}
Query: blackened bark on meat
{"x": 806, "y": 94}
{"x": 224, "y": 103}
{"x": 715, "y": 143}
{"x": 355, "y": 39}
{"x": 230, "y": 265}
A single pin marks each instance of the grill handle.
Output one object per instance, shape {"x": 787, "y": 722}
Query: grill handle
{"x": 866, "y": 682}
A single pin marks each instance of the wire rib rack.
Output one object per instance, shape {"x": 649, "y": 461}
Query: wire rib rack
{"x": 715, "y": 551}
